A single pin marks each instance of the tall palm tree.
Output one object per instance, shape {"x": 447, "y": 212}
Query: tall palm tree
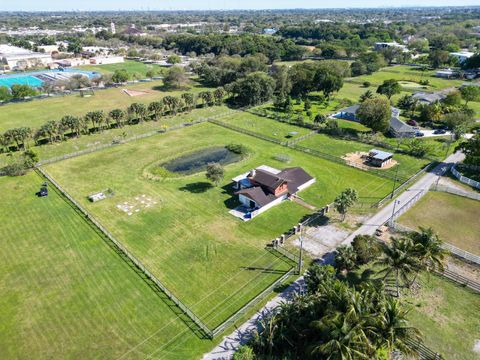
{"x": 393, "y": 328}
{"x": 430, "y": 249}
{"x": 401, "y": 260}
{"x": 346, "y": 258}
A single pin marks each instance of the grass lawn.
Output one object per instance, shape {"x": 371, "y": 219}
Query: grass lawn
{"x": 271, "y": 128}
{"x": 129, "y": 65}
{"x": 67, "y": 295}
{"x": 410, "y": 74}
{"x": 209, "y": 259}
{"x": 453, "y": 217}
{"x": 447, "y": 316}
{"x": 408, "y": 165}
{"x": 37, "y": 112}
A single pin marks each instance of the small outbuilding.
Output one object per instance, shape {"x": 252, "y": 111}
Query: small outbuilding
{"x": 379, "y": 158}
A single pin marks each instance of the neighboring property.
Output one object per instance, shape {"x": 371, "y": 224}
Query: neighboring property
{"x": 379, "y": 158}
{"x": 462, "y": 56}
{"x": 265, "y": 187}
{"x": 446, "y": 73}
{"x": 425, "y": 98}
{"x": 103, "y": 60}
{"x": 385, "y": 45}
{"x": 397, "y": 127}
{"x": 16, "y": 58}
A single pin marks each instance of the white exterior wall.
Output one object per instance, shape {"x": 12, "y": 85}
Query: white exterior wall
{"x": 268, "y": 206}
{"x": 107, "y": 60}
{"x": 307, "y": 184}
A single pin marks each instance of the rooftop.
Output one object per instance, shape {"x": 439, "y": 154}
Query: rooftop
{"x": 379, "y": 154}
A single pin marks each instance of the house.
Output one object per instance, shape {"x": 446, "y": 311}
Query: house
{"x": 379, "y": 158}
{"x": 102, "y": 60}
{"x": 265, "y": 187}
{"x": 429, "y": 98}
{"x": 446, "y": 73}
{"x": 386, "y": 45}
{"x": 462, "y": 56}
{"x": 397, "y": 127}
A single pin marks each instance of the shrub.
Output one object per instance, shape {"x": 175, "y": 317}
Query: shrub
{"x": 366, "y": 248}
{"x": 366, "y": 84}
{"x": 238, "y": 149}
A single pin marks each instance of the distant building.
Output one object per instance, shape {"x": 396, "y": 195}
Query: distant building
{"x": 103, "y": 60}
{"x": 446, "y": 73}
{"x": 397, "y": 128}
{"x": 462, "y": 56}
{"x": 132, "y": 30}
{"x": 429, "y": 98}
{"x": 269, "y": 31}
{"x": 13, "y": 57}
{"x": 385, "y": 45}
{"x": 112, "y": 28}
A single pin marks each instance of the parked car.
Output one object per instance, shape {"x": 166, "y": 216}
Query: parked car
{"x": 419, "y": 134}
{"x": 439, "y": 132}
{"x": 412, "y": 123}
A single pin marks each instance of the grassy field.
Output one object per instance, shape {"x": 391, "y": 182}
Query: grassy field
{"x": 66, "y": 294}
{"x": 453, "y": 217}
{"x": 407, "y": 165}
{"x": 447, "y": 316}
{"x": 322, "y": 142}
{"x": 36, "y": 112}
{"x": 211, "y": 260}
{"x": 132, "y": 67}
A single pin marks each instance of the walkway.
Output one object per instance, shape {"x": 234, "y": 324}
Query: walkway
{"x": 425, "y": 182}
{"x": 230, "y": 343}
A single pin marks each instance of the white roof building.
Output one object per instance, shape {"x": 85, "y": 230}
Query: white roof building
{"x": 462, "y": 56}
{"x": 16, "y": 57}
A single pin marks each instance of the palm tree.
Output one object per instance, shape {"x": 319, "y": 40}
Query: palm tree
{"x": 430, "y": 250}
{"x": 399, "y": 259}
{"x": 72, "y": 123}
{"x": 137, "y": 111}
{"x": 346, "y": 258}
{"x": 366, "y": 95}
{"x": 219, "y": 94}
{"x": 393, "y": 329}
{"x": 189, "y": 100}
{"x": 96, "y": 118}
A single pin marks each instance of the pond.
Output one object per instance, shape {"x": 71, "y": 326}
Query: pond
{"x": 197, "y": 161}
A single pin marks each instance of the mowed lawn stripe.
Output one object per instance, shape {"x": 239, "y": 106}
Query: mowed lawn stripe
{"x": 66, "y": 293}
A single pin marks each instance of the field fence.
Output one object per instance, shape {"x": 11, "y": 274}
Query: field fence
{"x": 424, "y": 352}
{"x": 462, "y": 280}
{"x": 231, "y": 320}
{"x": 130, "y": 256}
{"x": 402, "y": 186}
{"x": 130, "y": 139}
{"x": 454, "y": 191}
{"x": 406, "y": 206}
{"x": 464, "y": 179}
{"x": 457, "y": 252}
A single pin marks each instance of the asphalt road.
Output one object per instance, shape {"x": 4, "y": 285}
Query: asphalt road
{"x": 229, "y": 344}
{"x": 385, "y": 213}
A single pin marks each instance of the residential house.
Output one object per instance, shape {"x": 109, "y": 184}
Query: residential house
{"x": 397, "y": 127}
{"x": 265, "y": 187}
{"x": 462, "y": 56}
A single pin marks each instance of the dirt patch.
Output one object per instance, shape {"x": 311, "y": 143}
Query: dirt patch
{"x": 135, "y": 92}
{"x": 358, "y": 159}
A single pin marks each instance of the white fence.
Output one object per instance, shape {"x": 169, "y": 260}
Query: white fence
{"x": 450, "y": 190}
{"x": 464, "y": 179}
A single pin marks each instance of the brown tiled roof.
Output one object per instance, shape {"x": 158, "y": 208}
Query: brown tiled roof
{"x": 294, "y": 177}
{"x": 267, "y": 179}
{"x": 258, "y": 195}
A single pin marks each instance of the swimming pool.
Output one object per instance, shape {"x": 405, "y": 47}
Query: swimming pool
{"x": 37, "y": 78}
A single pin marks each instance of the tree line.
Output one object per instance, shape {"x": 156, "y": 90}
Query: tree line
{"x": 70, "y": 126}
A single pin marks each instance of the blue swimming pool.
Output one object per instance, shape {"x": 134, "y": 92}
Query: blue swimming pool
{"x": 37, "y": 78}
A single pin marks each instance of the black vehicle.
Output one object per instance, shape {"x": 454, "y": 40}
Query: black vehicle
{"x": 43, "y": 191}
{"x": 439, "y": 131}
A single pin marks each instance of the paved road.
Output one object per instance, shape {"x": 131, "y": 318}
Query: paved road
{"x": 230, "y": 343}
{"x": 384, "y": 214}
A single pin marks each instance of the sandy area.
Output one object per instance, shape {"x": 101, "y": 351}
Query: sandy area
{"x": 358, "y": 159}
{"x": 134, "y": 92}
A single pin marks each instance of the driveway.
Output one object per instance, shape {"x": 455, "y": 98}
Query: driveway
{"x": 425, "y": 182}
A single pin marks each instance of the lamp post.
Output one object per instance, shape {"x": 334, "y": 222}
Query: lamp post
{"x": 446, "y": 154}
{"x": 300, "y": 258}
{"x": 394, "y": 182}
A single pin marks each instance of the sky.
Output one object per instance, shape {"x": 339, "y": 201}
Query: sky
{"x": 55, "y": 5}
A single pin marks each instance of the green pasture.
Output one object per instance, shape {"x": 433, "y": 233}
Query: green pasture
{"x": 66, "y": 294}
{"x": 37, "y": 112}
{"x": 454, "y": 218}
{"x": 209, "y": 259}
{"x": 132, "y": 67}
